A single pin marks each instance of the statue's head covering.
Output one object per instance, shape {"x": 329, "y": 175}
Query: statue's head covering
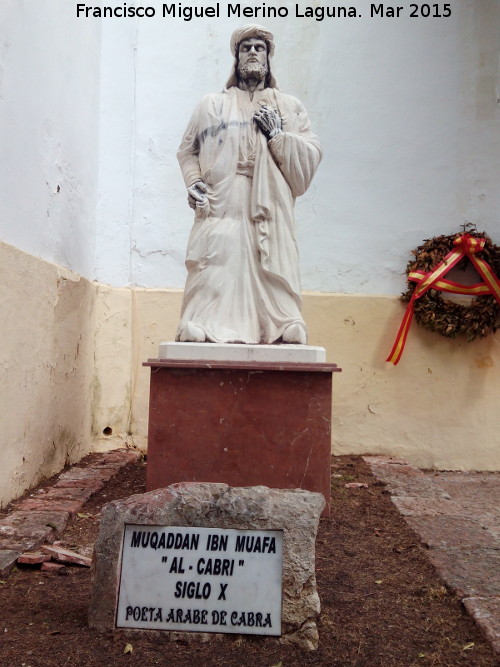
{"x": 246, "y": 32}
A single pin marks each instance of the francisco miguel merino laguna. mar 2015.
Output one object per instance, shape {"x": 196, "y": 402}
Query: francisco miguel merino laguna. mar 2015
{"x": 263, "y": 11}
{"x": 232, "y": 10}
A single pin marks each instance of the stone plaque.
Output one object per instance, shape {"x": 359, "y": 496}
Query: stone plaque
{"x": 271, "y": 530}
{"x": 201, "y": 580}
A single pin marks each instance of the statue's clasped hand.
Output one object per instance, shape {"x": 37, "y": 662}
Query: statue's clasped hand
{"x": 197, "y": 195}
{"x": 269, "y": 121}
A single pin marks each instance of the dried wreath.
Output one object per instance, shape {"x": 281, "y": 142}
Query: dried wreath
{"x": 426, "y": 276}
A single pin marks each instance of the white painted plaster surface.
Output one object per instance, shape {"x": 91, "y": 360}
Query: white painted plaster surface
{"x": 49, "y": 116}
{"x": 298, "y": 354}
{"x": 405, "y": 108}
{"x": 115, "y": 204}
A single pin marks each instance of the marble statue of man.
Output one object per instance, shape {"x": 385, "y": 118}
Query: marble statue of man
{"x": 247, "y": 153}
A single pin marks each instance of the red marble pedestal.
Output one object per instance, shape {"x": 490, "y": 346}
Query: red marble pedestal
{"x": 242, "y": 423}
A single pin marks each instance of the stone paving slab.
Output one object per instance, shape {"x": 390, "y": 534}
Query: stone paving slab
{"x": 89, "y": 473}
{"x": 407, "y": 481}
{"x": 492, "y": 523}
{"x": 457, "y": 516}
{"x": 86, "y": 483}
{"x": 8, "y": 558}
{"x": 24, "y": 531}
{"x": 121, "y": 456}
{"x": 24, "y": 523}
{"x": 415, "y": 506}
{"x": 41, "y": 517}
{"x": 486, "y": 613}
{"x": 59, "y": 505}
{"x": 479, "y": 489}
{"x": 469, "y": 572}
{"x": 452, "y": 531}
{"x": 65, "y": 493}
{"x": 463, "y": 476}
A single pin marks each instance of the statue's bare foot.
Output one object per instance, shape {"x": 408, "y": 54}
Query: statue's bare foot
{"x": 294, "y": 333}
{"x": 192, "y": 333}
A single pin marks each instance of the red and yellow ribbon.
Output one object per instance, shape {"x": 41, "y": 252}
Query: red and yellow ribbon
{"x": 465, "y": 246}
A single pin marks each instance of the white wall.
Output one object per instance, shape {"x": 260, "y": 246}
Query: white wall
{"x": 49, "y": 112}
{"x": 49, "y": 122}
{"x": 406, "y": 109}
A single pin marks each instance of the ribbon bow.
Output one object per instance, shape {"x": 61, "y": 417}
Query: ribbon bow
{"x": 470, "y": 244}
{"x": 465, "y": 246}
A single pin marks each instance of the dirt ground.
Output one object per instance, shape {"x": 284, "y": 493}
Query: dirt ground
{"x": 382, "y": 603}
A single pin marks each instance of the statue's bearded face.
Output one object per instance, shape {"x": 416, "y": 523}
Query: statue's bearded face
{"x": 252, "y": 59}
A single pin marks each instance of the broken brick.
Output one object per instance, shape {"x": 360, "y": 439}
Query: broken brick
{"x": 65, "y": 493}
{"x": 67, "y": 556}
{"x": 33, "y": 558}
{"x": 62, "y": 505}
{"x": 123, "y": 456}
{"x": 90, "y": 483}
{"x": 88, "y": 473}
{"x": 50, "y": 566}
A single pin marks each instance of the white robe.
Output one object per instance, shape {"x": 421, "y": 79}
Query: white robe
{"x": 243, "y": 281}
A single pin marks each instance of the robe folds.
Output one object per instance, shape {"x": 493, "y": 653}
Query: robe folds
{"x": 243, "y": 282}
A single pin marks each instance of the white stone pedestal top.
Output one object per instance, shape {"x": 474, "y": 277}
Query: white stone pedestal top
{"x": 298, "y": 354}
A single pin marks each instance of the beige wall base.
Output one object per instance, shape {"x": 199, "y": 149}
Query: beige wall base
{"x": 46, "y": 367}
{"x": 438, "y": 407}
{"x": 71, "y": 356}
